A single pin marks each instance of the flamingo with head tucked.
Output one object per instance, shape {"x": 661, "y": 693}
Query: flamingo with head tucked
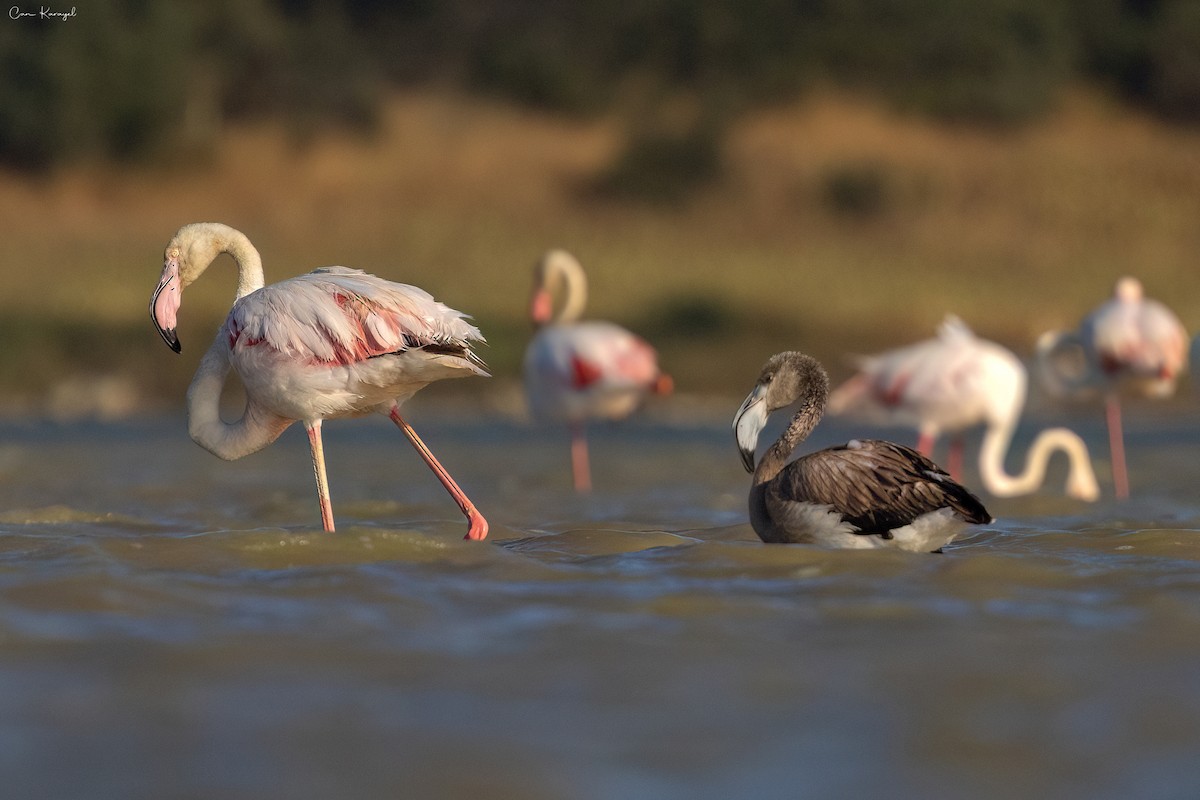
{"x": 336, "y": 342}
{"x": 1130, "y": 340}
{"x": 581, "y": 371}
{"x": 953, "y": 382}
{"x": 866, "y": 493}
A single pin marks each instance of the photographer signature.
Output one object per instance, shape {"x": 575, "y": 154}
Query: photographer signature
{"x": 43, "y": 12}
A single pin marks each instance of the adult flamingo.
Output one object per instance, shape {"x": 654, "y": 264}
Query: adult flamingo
{"x": 1128, "y": 340}
{"x": 956, "y": 381}
{"x": 336, "y": 342}
{"x": 581, "y": 371}
{"x": 864, "y": 494}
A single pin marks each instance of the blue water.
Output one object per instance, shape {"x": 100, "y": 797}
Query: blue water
{"x": 176, "y": 626}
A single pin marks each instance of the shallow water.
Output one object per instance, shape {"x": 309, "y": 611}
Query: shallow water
{"x": 175, "y": 626}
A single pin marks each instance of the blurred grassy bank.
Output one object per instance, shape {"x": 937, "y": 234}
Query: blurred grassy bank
{"x": 834, "y": 227}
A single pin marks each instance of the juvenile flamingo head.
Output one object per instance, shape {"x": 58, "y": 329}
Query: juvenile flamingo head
{"x": 784, "y": 379}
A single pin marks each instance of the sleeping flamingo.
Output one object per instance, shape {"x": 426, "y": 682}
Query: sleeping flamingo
{"x": 336, "y": 342}
{"x": 580, "y": 371}
{"x": 1128, "y": 340}
{"x": 864, "y": 494}
{"x": 956, "y": 381}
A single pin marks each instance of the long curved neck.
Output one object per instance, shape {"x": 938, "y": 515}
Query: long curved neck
{"x": 1081, "y": 479}
{"x": 1063, "y": 364}
{"x": 812, "y": 407}
{"x": 249, "y": 262}
{"x": 564, "y": 270}
{"x": 252, "y": 432}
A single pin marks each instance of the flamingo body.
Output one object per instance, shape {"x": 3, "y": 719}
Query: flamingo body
{"x": 1137, "y": 339}
{"x": 579, "y": 372}
{"x": 339, "y": 342}
{"x": 576, "y": 372}
{"x": 941, "y": 385}
{"x": 335, "y": 342}
{"x": 1129, "y": 340}
{"x": 864, "y": 494}
{"x": 953, "y": 382}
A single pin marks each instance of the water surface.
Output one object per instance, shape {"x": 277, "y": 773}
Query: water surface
{"x": 176, "y": 626}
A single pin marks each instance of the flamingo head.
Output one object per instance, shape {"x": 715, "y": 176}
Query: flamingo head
{"x": 557, "y": 274}
{"x": 164, "y": 303}
{"x": 187, "y": 255}
{"x": 748, "y": 423}
{"x": 785, "y": 378}
{"x": 1128, "y": 290}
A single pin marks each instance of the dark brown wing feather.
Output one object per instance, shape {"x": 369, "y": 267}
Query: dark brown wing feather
{"x": 876, "y": 486}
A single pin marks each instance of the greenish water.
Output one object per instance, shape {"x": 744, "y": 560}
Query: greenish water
{"x": 176, "y": 626}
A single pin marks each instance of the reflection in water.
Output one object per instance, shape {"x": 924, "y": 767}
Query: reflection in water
{"x": 178, "y": 626}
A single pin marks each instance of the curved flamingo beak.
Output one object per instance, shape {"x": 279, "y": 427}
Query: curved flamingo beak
{"x": 748, "y": 422}
{"x": 164, "y": 304}
{"x": 541, "y": 307}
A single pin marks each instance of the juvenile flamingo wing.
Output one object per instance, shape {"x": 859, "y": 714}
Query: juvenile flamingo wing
{"x": 876, "y": 486}
{"x": 339, "y": 316}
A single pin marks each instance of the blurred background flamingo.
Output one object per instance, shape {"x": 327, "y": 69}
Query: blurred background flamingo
{"x": 336, "y": 342}
{"x": 575, "y": 371}
{"x": 1128, "y": 341}
{"x": 955, "y": 381}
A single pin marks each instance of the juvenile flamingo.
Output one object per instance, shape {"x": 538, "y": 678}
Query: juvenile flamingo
{"x": 581, "y": 371}
{"x": 1128, "y": 340}
{"x": 336, "y": 342}
{"x": 953, "y": 382}
{"x": 864, "y": 494}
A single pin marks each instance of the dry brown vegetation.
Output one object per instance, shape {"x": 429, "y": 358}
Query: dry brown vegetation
{"x": 837, "y": 227}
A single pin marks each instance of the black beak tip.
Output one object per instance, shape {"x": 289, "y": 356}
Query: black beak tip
{"x": 747, "y": 460}
{"x": 171, "y": 339}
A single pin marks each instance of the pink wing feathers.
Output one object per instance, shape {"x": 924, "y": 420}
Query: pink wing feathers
{"x": 589, "y": 370}
{"x": 338, "y": 316}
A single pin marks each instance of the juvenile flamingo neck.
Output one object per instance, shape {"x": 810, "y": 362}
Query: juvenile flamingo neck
{"x": 812, "y": 407}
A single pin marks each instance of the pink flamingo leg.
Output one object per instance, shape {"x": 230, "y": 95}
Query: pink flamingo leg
{"x": 925, "y": 444}
{"x": 1116, "y": 446}
{"x": 318, "y": 460}
{"x": 477, "y": 526}
{"x": 955, "y": 459}
{"x": 580, "y": 465}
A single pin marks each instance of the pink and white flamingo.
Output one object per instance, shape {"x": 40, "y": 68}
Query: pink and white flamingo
{"x": 581, "y": 371}
{"x": 953, "y": 382}
{"x": 1128, "y": 340}
{"x": 336, "y": 342}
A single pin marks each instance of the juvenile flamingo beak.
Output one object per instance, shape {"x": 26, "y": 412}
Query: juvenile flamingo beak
{"x": 164, "y": 304}
{"x": 749, "y": 422}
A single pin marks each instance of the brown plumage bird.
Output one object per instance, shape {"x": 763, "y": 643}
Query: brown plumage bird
{"x": 864, "y": 494}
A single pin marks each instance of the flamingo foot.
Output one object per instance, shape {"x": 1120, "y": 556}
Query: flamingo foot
{"x": 477, "y": 528}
